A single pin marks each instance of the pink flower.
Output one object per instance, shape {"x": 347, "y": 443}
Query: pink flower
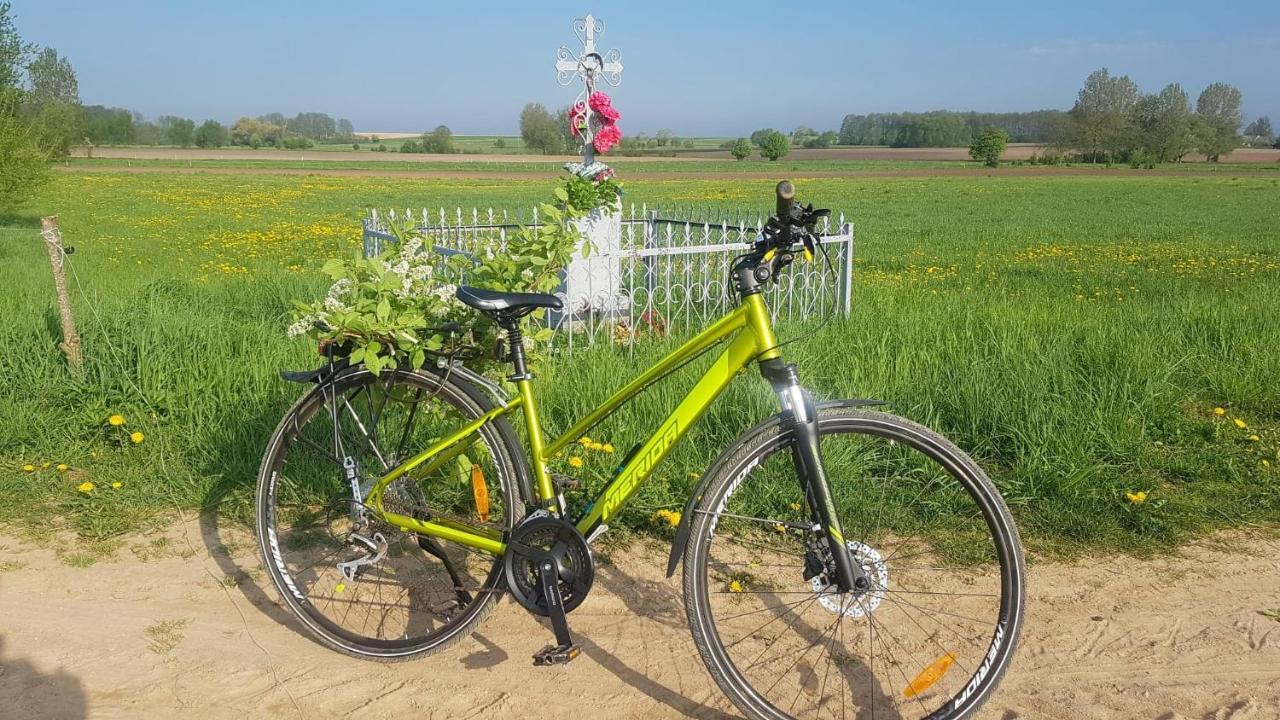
{"x": 607, "y": 137}
{"x": 603, "y": 175}
{"x": 609, "y": 114}
{"x": 599, "y": 100}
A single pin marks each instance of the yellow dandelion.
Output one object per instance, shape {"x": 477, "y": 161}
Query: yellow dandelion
{"x": 585, "y": 441}
{"x": 1254, "y": 438}
{"x": 575, "y": 461}
{"x": 28, "y": 468}
{"x": 1219, "y": 411}
{"x": 136, "y": 437}
{"x": 86, "y": 487}
{"x": 735, "y": 586}
{"x": 779, "y": 527}
{"x": 795, "y": 506}
{"x": 1240, "y": 423}
{"x": 62, "y": 467}
{"x": 1137, "y": 498}
{"x": 117, "y": 485}
{"x": 598, "y": 447}
{"x": 1266, "y": 463}
{"x": 694, "y": 475}
{"x": 116, "y": 420}
{"x": 607, "y": 447}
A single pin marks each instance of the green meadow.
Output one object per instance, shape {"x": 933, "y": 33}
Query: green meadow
{"x": 1084, "y": 337}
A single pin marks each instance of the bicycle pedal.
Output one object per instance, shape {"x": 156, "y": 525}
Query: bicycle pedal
{"x": 565, "y": 483}
{"x": 556, "y": 655}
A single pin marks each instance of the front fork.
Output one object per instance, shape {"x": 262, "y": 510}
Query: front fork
{"x": 807, "y": 456}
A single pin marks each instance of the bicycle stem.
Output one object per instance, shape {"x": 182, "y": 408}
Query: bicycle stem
{"x": 807, "y": 456}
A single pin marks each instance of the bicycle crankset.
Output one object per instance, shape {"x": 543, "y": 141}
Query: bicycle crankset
{"x": 548, "y": 539}
{"x": 549, "y": 570}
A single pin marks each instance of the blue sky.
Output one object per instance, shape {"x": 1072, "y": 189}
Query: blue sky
{"x": 718, "y": 68}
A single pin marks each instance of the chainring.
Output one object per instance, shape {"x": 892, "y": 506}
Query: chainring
{"x": 542, "y": 537}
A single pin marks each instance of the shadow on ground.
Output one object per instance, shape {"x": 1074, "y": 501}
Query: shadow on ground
{"x": 28, "y": 693}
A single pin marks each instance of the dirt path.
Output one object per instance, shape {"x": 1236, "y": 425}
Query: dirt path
{"x": 179, "y": 624}
{"x": 693, "y": 174}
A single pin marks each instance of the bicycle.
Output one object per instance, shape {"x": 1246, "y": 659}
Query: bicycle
{"x": 835, "y": 558}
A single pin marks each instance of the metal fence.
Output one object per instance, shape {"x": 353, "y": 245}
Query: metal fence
{"x": 660, "y": 271}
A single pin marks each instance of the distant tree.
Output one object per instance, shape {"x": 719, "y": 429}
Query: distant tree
{"x": 313, "y": 125}
{"x": 1102, "y": 118}
{"x": 438, "y": 141}
{"x": 989, "y": 146}
{"x": 275, "y": 119}
{"x": 14, "y": 52}
{"x": 825, "y": 140}
{"x": 540, "y": 131}
{"x": 211, "y": 134}
{"x": 24, "y": 164}
{"x": 180, "y": 131}
{"x": 758, "y": 137}
{"x": 355, "y": 146}
{"x": 296, "y": 142}
{"x": 802, "y": 135}
{"x": 500, "y": 143}
{"x": 1163, "y": 122}
{"x": 741, "y": 149}
{"x": 664, "y": 137}
{"x": 247, "y": 128}
{"x": 52, "y": 102}
{"x": 1259, "y": 132}
{"x": 1218, "y": 109}
{"x": 775, "y": 145}
{"x": 933, "y": 130}
{"x": 109, "y": 126}
{"x": 346, "y": 131}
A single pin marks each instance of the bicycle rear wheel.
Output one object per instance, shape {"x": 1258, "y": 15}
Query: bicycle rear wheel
{"x": 932, "y": 634}
{"x": 358, "y": 584}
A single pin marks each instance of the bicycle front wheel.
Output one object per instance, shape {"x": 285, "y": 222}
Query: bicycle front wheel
{"x": 931, "y": 635}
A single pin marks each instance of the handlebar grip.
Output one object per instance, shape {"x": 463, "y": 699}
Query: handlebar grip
{"x": 786, "y": 199}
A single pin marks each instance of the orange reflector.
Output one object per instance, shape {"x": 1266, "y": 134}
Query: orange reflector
{"x": 929, "y": 675}
{"x": 481, "y": 492}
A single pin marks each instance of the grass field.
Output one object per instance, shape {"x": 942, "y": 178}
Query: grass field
{"x": 1074, "y": 333}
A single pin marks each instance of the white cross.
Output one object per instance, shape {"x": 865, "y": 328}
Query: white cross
{"x": 588, "y": 64}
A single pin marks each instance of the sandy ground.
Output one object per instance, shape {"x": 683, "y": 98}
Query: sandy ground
{"x": 1015, "y": 152}
{"x": 178, "y": 624}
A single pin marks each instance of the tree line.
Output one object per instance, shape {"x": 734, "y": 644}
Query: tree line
{"x": 1113, "y": 121}
{"x": 117, "y": 126}
{"x": 946, "y": 128}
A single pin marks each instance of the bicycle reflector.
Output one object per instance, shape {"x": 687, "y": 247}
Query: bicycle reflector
{"x": 929, "y": 676}
{"x": 481, "y": 492}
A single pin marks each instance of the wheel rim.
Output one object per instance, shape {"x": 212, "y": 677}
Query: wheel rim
{"x": 398, "y": 594}
{"x": 930, "y": 635}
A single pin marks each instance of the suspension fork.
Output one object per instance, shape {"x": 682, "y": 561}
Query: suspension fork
{"x": 807, "y": 456}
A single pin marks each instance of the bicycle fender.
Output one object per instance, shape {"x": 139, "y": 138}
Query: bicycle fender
{"x": 682, "y": 531}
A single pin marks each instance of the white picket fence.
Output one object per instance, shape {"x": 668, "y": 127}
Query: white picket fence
{"x": 653, "y": 271}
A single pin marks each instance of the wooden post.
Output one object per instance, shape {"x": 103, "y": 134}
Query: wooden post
{"x": 53, "y": 243}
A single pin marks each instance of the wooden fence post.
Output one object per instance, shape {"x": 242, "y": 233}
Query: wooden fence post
{"x": 53, "y": 243}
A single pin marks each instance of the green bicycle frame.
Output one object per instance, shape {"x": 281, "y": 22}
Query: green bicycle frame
{"x": 753, "y": 339}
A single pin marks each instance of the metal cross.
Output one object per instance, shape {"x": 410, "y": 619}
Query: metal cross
{"x": 588, "y": 66}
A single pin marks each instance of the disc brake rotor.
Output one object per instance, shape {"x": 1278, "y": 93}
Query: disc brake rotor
{"x": 859, "y": 602}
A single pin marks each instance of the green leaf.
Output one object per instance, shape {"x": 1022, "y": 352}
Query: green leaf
{"x": 418, "y": 358}
{"x": 561, "y": 194}
{"x": 384, "y": 309}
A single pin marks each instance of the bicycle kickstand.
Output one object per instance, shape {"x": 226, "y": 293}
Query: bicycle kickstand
{"x": 565, "y": 649}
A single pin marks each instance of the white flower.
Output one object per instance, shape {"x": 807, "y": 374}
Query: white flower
{"x": 301, "y": 327}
